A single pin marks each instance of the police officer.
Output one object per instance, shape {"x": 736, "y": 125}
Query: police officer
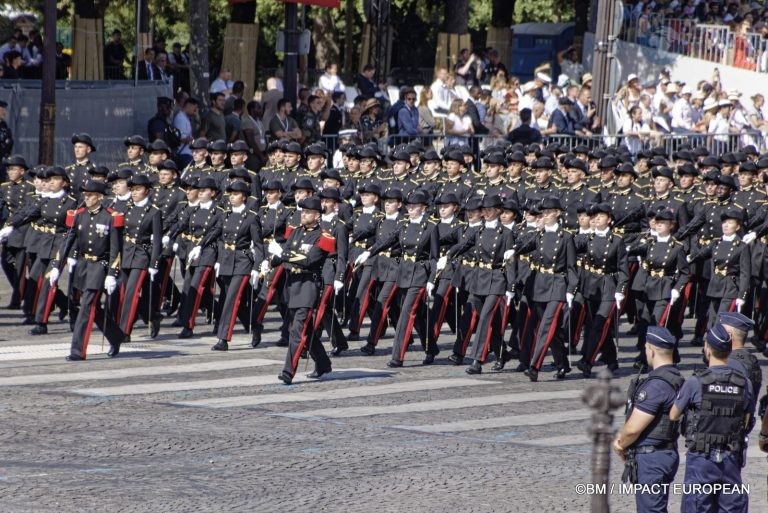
{"x": 648, "y": 440}
{"x": 14, "y": 194}
{"x": 716, "y": 405}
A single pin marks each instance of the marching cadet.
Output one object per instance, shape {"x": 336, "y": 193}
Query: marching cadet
{"x": 331, "y": 179}
{"x": 659, "y": 281}
{"x": 686, "y": 190}
{"x": 170, "y": 199}
{"x": 121, "y": 193}
{"x": 291, "y": 170}
{"x": 95, "y": 235}
{"x": 716, "y": 405}
{"x": 730, "y": 266}
{"x": 31, "y": 240}
{"x": 14, "y": 195}
{"x": 543, "y": 185}
{"x": 648, "y": 440}
{"x": 384, "y": 272}
{"x": 554, "y": 286}
{"x": 575, "y": 192}
{"x": 429, "y": 178}
{"x": 239, "y": 252}
{"x": 662, "y": 196}
{"x": 273, "y": 218}
{"x": 301, "y": 189}
{"x": 606, "y": 180}
{"x": 303, "y": 255}
{"x": 201, "y": 228}
{"x": 135, "y": 146}
{"x": 400, "y": 177}
{"x": 316, "y": 156}
{"x": 239, "y": 153}
{"x": 455, "y": 182}
{"x": 159, "y": 152}
{"x": 99, "y": 174}
{"x": 140, "y": 258}
{"x": 603, "y": 286}
{"x": 274, "y": 162}
{"x": 491, "y": 288}
{"x": 48, "y": 218}
{"x": 439, "y": 287}
{"x": 627, "y": 206}
{"x": 418, "y": 242}
{"x": 199, "y": 167}
{"x": 510, "y": 214}
{"x": 493, "y": 183}
{"x": 82, "y": 147}
{"x": 515, "y": 165}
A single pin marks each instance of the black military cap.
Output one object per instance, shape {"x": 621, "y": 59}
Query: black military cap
{"x": 660, "y": 337}
{"x": 726, "y": 180}
{"x": 711, "y": 176}
{"x": 393, "y": 194}
{"x": 415, "y": 147}
{"x": 607, "y": 162}
{"x": 369, "y": 153}
{"x": 659, "y": 151}
{"x": 311, "y": 203}
{"x": 762, "y": 163}
{"x": 330, "y": 193}
{"x": 733, "y": 213}
{"x": 16, "y": 160}
{"x": 599, "y": 208}
{"x": 56, "y": 171}
{"x": 239, "y": 146}
{"x": 464, "y": 149}
{"x": 124, "y": 173}
{"x": 581, "y": 208}
{"x": 218, "y": 146}
{"x": 239, "y": 187}
{"x": 160, "y": 146}
{"x": 728, "y": 159}
{"x": 663, "y": 171}
{"x": 430, "y": 155}
{"x": 658, "y": 161}
{"x": 700, "y": 151}
{"x": 99, "y": 171}
{"x": 189, "y": 183}
{"x": 710, "y": 162}
{"x": 316, "y": 149}
{"x": 740, "y": 157}
{"x": 687, "y": 169}
{"x": 551, "y": 202}
{"x": 718, "y": 338}
{"x": 581, "y": 149}
{"x": 240, "y": 173}
{"x": 417, "y": 198}
{"x": 274, "y": 146}
{"x": 370, "y": 188}
{"x": 683, "y": 155}
{"x": 303, "y": 183}
{"x": 665, "y": 214}
{"x": 169, "y": 165}
{"x": 626, "y": 168}
{"x": 141, "y": 180}
{"x": 543, "y": 163}
{"x": 533, "y": 148}
{"x": 492, "y": 201}
{"x": 199, "y": 144}
{"x": 546, "y": 153}
{"x": 207, "y": 183}
{"x": 353, "y": 152}
{"x": 273, "y": 185}
{"x": 83, "y": 138}
{"x": 474, "y": 203}
{"x": 517, "y": 156}
{"x": 644, "y": 154}
{"x": 495, "y": 158}
{"x": 749, "y": 150}
{"x": 748, "y": 167}
{"x": 94, "y": 186}
{"x": 454, "y": 155}
{"x": 332, "y": 174}
{"x": 511, "y": 204}
{"x": 400, "y": 155}
{"x": 135, "y": 140}
{"x": 578, "y": 164}
{"x": 447, "y": 198}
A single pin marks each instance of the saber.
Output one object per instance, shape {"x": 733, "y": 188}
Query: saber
{"x": 104, "y": 325}
{"x": 504, "y": 319}
{"x": 150, "y": 310}
{"x": 570, "y": 311}
{"x": 429, "y": 307}
{"x": 616, "y": 339}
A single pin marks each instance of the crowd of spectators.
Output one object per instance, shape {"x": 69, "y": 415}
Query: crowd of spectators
{"x": 703, "y": 11}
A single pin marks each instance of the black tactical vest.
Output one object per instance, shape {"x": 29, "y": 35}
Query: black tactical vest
{"x": 752, "y": 366}
{"x": 661, "y": 428}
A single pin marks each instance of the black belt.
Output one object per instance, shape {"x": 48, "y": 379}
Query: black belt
{"x": 647, "y": 449}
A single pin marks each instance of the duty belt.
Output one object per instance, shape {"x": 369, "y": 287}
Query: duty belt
{"x": 387, "y": 254}
{"x": 409, "y": 258}
{"x": 191, "y": 238}
{"x": 230, "y": 247}
{"x": 361, "y": 244}
{"x": 721, "y": 271}
{"x": 134, "y": 240}
{"x": 546, "y": 270}
{"x": 468, "y": 263}
{"x": 91, "y": 258}
{"x": 658, "y": 273}
{"x": 596, "y": 270}
{"x": 647, "y": 449}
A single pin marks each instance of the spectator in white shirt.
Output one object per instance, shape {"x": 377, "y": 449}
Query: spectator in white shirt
{"x": 330, "y": 81}
{"x": 528, "y": 97}
{"x": 182, "y": 122}
{"x": 439, "y": 91}
{"x": 458, "y": 125}
{"x": 552, "y": 102}
{"x": 634, "y": 130}
{"x": 720, "y": 124}
{"x": 223, "y": 83}
{"x": 682, "y": 112}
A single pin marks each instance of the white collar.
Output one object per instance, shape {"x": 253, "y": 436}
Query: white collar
{"x": 653, "y": 233}
{"x": 662, "y": 239}
{"x": 124, "y": 197}
{"x": 492, "y": 224}
{"x": 43, "y": 194}
{"x": 447, "y": 221}
{"x": 585, "y": 231}
{"x": 553, "y": 228}
{"x": 418, "y": 219}
{"x": 603, "y": 233}
{"x": 239, "y": 209}
{"x": 273, "y": 206}
{"x": 57, "y": 195}
{"x": 369, "y": 210}
{"x": 193, "y": 203}
{"x": 478, "y": 223}
{"x": 328, "y": 217}
{"x": 529, "y": 224}
{"x": 391, "y": 217}
{"x": 510, "y": 225}
{"x": 142, "y": 202}
{"x": 205, "y": 206}
{"x": 729, "y": 238}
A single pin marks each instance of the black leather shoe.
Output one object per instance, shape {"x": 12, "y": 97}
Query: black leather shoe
{"x": 285, "y": 378}
{"x": 281, "y": 343}
{"x": 368, "y": 349}
{"x": 114, "y": 350}
{"x": 428, "y": 360}
{"x": 394, "y": 363}
{"x": 456, "y": 359}
{"x": 221, "y": 345}
{"x": 498, "y": 365}
{"x": 316, "y": 374}
{"x": 353, "y": 337}
{"x": 475, "y": 368}
{"x": 585, "y": 369}
{"x": 62, "y": 314}
{"x": 28, "y": 321}
{"x": 186, "y": 333}
{"x": 40, "y": 329}
{"x": 697, "y": 342}
{"x": 336, "y": 351}
{"x": 532, "y": 374}
{"x": 126, "y": 340}
{"x": 73, "y": 358}
{"x": 560, "y": 374}
{"x": 154, "y": 328}
{"x": 256, "y": 336}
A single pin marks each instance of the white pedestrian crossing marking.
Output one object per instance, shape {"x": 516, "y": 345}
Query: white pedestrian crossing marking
{"x": 535, "y": 419}
{"x": 60, "y": 350}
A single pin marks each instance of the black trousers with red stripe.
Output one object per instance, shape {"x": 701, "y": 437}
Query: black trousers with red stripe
{"x": 136, "y": 298}
{"x": 47, "y": 296}
{"x": 234, "y": 290}
{"x": 269, "y": 293}
{"x": 716, "y": 305}
{"x": 91, "y": 312}
{"x": 385, "y": 306}
{"x": 195, "y": 284}
{"x": 467, "y": 325}
{"x": 326, "y": 319}
{"x": 488, "y": 335}
{"x": 443, "y": 309}
{"x": 652, "y": 313}
{"x": 13, "y": 267}
{"x": 413, "y": 314}
{"x": 550, "y": 334}
{"x": 598, "y": 333}
{"x": 28, "y": 300}
{"x": 300, "y": 336}
{"x": 525, "y": 326}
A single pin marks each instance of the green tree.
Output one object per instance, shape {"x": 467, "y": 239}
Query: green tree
{"x": 544, "y": 11}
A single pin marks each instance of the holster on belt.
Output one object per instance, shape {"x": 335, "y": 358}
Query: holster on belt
{"x": 630, "y": 468}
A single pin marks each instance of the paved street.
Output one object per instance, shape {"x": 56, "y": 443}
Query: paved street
{"x": 171, "y": 426}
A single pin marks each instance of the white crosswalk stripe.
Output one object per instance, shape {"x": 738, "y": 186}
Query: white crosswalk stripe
{"x": 60, "y": 350}
{"x": 534, "y": 419}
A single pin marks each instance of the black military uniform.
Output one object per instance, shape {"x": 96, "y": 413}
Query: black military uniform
{"x": 14, "y": 195}
{"x": 78, "y": 172}
{"x": 139, "y": 166}
{"x": 170, "y": 200}
{"x": 574, "y": 195}
{"x": 194, "y": 169}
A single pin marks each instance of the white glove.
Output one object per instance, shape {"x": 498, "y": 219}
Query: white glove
{"x": 53, "y": 276}
{"x": 153, "y": 272}
{"x": 430, "y": 288}
{"x": 739, "y": 304}
{"x": 71, "y": 263}
{"x": 749, "y": 237}
{"x": 5, "y": 232}
{"x": 337, "y": 286}
{"x": 689, "y": 258}
{"x": 509, "y": 295}
{"x": 194, "y": 253}
{"x": 508, "y": 254}
{"x": 275, "y": 248}
{"x": 673, "y": 296}
{"x": 619, "y": 298}
{"x": 362, "y": 258}
{"x": 254, "y": 278}
{"x": 175, "y": 247}
{"x": 110, "y": 284}
{"x": 216, "y": 267}
{"x": 442, "y": 262}
{"x": 166, "y": 241}
{"x": 264, "y": 267}
{"x": 569, "y": 299}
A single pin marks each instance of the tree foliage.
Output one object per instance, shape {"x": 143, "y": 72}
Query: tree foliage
{"x": 544, "y": 11}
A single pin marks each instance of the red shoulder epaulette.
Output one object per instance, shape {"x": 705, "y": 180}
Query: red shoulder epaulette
{"x": 118, "y": 219}
{"x": 288, "y": 230}
{"x": 70, "y": 219}
{"x": 327, "y": 242}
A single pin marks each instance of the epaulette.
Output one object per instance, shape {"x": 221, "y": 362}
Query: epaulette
{"x": 71, "y": 197}
{"x": 570, "y": 230}
{"x": 738, "y": 206}
{"x": 460, "y": 222}
{"x": 124, "y": 164}
{"x": 593, "y": 189}
{"x": 252, "y": 212}
{"x": 5, "y": 183}
{"x": 71, "y": 166}
{"x": 709, "y": 202}
{"x": 221, "y": 208}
